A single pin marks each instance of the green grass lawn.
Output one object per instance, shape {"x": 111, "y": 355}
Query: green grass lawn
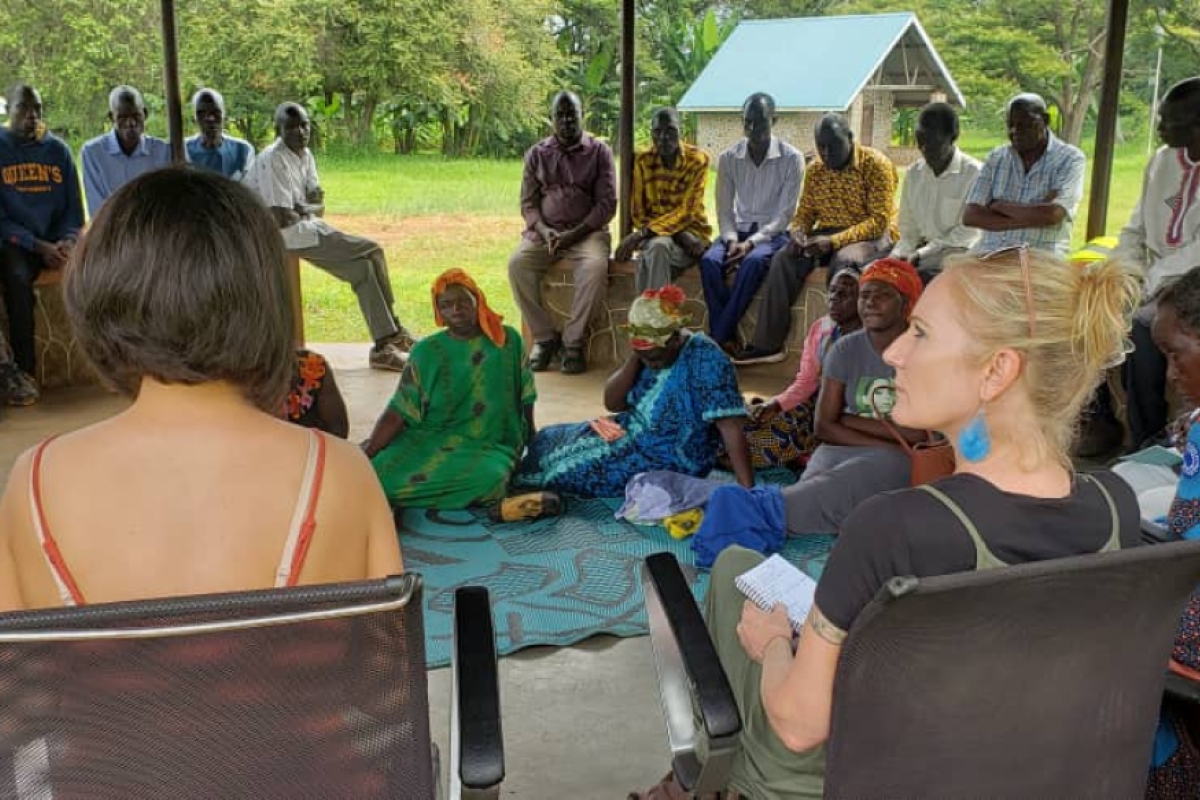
{"x": 431, "y": 214}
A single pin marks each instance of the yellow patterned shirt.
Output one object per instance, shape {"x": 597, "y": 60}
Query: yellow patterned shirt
{"x": 668, "y": 201}
{"x": 859, "y": 200}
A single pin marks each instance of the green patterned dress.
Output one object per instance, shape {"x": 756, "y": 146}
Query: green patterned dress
{"x": 463, "y": 407}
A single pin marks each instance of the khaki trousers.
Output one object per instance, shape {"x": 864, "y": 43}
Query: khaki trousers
{"x": 589, "y": 265}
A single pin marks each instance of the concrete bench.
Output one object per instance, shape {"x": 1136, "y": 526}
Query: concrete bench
{"x": 608, "y": 342}
{"x": 60, "y": 361}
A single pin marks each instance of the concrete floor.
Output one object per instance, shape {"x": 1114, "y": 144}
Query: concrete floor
{"x": 580, "y": 722}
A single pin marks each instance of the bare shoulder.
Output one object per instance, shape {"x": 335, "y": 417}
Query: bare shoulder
{"x": 348, "y": 473}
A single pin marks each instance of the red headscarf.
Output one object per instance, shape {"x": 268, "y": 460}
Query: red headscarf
{"x": 490, "y": 322}
{"x": 899, "y": 274}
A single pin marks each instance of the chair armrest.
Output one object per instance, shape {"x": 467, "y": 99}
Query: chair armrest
{"x": 690, "y": 678}
{"x": 476, "y": 740}
{"x": 1182, "y": 688}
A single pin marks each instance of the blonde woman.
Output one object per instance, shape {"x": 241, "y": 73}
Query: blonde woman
{"x": 1001, "y": 354}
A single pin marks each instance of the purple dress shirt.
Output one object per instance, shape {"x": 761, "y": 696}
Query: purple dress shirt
{"x": 565, "y": 187}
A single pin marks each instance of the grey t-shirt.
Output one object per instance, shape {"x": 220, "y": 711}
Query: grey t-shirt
{"x": 853, "y": 361}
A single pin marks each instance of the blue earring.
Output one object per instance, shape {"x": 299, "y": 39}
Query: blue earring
{"x": 974, "y": 442}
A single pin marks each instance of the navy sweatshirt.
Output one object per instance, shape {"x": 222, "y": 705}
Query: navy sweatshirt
{"x": 39, "y": 191}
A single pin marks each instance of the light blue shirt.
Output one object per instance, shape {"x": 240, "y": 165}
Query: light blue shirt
{"x": 1059, "y": 172}
{"x": 232, "y": 158}
{"x": 106, "y": 168}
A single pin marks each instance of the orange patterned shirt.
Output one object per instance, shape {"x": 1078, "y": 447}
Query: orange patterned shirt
{"x": 668, "y": 201}
{"x": 859, "y": 200}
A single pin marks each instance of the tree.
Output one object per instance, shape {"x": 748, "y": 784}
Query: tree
{"x": 268, "y": 57}
{"x": 75, "y": 51}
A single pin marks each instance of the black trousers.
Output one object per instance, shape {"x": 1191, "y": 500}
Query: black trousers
{"x": 18, "y": 270}
{"x": 1145, "y": 377}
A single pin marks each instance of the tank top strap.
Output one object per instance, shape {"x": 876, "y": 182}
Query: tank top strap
{"x": 304, "y": 515}
{"x": 984, "y": 558}
{"x": 68, "y": 590}
{"x": 1114, "y": 538}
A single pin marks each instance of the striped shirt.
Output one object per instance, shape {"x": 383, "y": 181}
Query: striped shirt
{"x": 763, "y": 195}
{"x": 857, "y": 200}
{"x": 1056, "y": 177}
{"x": 671, "y": 200}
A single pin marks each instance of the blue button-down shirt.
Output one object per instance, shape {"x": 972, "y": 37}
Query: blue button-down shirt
{"x": 233, "y": 157}
{"x": 106, "y": 168}
{"x": 1056, "y": 177}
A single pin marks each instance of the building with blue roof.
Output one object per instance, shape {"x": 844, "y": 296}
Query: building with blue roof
{"x": 864, "y": 65}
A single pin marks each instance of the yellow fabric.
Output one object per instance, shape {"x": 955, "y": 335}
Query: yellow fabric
{"x": 683, "y": 524}
{"x": 1099, "y": 249}
{"x": 670, "y": 201}
{"x": 491, "y": 323}
{"x": 861, "y": 199}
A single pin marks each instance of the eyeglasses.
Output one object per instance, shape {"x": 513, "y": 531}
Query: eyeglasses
{"x": 1022, "y": 251}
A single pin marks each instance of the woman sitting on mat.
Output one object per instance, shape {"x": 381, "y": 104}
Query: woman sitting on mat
{"x": 780, "y": 431}
{"x": 1001, "y": 354}
{"x": 178, "y": 297}
{"x": 452, "y": 434}
{"x": 313, "y": 399}
{"x": 674, "y": 400}
{"x": 858, "y": 456}
{"x": 1176, "y": 331}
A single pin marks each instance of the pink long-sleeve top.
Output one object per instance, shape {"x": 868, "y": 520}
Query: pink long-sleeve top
{"x": 820, "y": 336}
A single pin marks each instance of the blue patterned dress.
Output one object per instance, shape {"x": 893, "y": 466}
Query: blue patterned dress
{"x": 1183, "y": 522}
{"x": 669, "y": 425}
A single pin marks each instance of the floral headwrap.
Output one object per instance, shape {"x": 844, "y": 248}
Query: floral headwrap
{"x": 899, "y": 274}
{"x": 655, "y": 316}
{"x": 490, "y": 322}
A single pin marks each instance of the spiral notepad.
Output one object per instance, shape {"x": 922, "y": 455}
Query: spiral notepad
{"x": 777, "y": 581}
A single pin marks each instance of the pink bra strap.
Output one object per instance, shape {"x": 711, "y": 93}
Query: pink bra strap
{"x": 68, "y": 590}
{"x": 301, "y": 533}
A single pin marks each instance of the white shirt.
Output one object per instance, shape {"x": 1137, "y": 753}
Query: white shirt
{"x": 1162, "y": 238}
{"x": 931, "y": 208}
{"x": 283, "y": 180}
{"x": 765, "y": 194}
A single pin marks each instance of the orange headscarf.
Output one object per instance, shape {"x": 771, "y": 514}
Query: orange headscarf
{"x": 899, "y": 274}
{"x": 490, "y": 322}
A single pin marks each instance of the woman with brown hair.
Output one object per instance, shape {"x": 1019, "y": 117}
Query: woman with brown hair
{"x": 178, "y": 296}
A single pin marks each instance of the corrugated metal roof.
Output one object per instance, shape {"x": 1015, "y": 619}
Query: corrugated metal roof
{"x": 810, "y": 63}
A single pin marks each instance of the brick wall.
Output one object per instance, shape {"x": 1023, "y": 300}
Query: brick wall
{"x": 717, "y": 131}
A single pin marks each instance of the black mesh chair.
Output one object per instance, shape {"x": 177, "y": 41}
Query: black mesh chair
{"x": 310, "y": 692}
{"x": 1036, "y": 681}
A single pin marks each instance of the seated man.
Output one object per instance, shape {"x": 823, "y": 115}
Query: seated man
{"x": 112, "y": 160}
{"x": 1163, "y": 240}
{"x": 41, "y": 214}
{"x": 285, "y": 176}
{"x": 935, "y": 192}
{"x": 1028, "y": 191}
{"x": 758, "y": 182}
{"x": 666, "y": 205}
{"x": 846, "y": 218}
{"x": 568, "y": 197}
{"x": 212, "y": 148}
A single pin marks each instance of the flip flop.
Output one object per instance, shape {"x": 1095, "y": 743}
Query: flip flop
{"x": 528, "y": 506}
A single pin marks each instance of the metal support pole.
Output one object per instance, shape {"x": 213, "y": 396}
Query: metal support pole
{"x": 171, "y": 80}
{"x": 1154, "y": 104}
{"x": 628, "y": 106}
{"x": 1106, "y": 124}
